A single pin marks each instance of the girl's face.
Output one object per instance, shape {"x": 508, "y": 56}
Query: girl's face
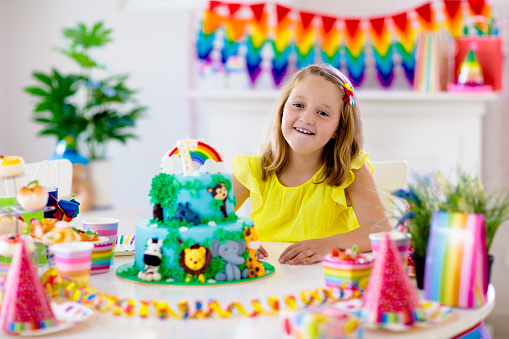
{"x": 311, "y": 115}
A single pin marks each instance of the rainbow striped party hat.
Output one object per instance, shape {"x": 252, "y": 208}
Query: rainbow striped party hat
{"x": 25, "y": 306}
{"x": 390, "y": 299}
{"x": 470, "y": 72}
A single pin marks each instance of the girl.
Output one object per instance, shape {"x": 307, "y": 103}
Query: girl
{"x": 312, "y": 184}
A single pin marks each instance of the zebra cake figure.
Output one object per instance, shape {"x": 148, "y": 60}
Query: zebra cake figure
{"x": 152, "y": 259}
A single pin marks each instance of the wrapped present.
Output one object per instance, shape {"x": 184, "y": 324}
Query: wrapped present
{"x": 456, "y": 265}
{"x": 326, "y": 322}
{"x": 66, "y": 209}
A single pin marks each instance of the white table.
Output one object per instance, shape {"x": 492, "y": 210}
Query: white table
{"x": 287, "y": 280}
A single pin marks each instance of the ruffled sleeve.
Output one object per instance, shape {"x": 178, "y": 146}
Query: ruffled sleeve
{"x": 338, "y": 193}
{"x": 247, "y": 169}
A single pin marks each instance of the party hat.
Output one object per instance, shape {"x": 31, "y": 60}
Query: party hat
{"x": 25, "y": 306}
{"x": 391, "y": 298}
{"x": 470, "y": 70}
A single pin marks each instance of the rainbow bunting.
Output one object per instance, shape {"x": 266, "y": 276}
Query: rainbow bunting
{"x": 256, "y": 41}
{"x": 453, "y": 17}
{"x": 382, "y": 51}
{"x": 406, "y": 44}
{"x": 281, "y": 44}
{"x": 206, "y": 35}
{"x": 481, "y": 13}
{"x": 234, "y": 31}
{"x": 330, "y": 40}
{"x": 305, "y": 40}
{"x": 354, "y": 50}
{"x": 426, "y": 17}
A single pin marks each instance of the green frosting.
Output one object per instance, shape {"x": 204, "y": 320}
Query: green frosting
{"x": 223, "y": 235}
{"x": 164, "y": 191}
{"x": 131, "y": 270}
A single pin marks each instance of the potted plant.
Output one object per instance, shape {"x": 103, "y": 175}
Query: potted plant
{"x": 94, "y": 110}
{"x": 469, "y": 196}
{"x": 421, "y": 200}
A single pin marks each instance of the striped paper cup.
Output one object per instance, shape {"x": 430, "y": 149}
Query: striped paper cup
{"x": 105, "y": 227}
{"x": 73, "y": 260}
{"x": 400, "y": 240}
{"x": 102, "y": 255}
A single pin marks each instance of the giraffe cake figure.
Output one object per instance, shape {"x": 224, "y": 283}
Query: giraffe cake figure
{"x": 194, "y": 236}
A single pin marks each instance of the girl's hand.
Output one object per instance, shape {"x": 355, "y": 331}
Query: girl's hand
{"x": 262, "y": 253}
{"x": 314, "y": 250}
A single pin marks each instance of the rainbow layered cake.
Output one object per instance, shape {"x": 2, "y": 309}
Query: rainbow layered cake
{"x": 346, "y": 268}
{"x": 194, "y": 235}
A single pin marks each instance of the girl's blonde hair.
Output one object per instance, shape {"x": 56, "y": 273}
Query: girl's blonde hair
{"x": 338, "y": 153}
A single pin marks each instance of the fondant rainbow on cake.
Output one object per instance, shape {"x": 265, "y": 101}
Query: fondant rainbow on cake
{"x": 346, "y": 269}
{"x": 201, "y": 154}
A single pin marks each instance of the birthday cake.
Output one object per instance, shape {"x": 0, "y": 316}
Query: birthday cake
{"x": 346, "y": 268}
{"x": 195, "y": 235}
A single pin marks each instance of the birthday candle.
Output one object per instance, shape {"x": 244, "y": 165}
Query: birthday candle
{"x": 185, "y": 147}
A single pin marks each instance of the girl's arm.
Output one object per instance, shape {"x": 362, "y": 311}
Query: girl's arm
{"x": 369, "y": 210}
{"x": 242, "y": 193}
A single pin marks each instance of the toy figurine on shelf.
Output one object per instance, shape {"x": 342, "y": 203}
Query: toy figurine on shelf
{"x": 470, "y": 77}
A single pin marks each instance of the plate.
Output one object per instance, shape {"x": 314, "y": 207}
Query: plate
{"x": 124, "y": 245}
{"x": 434, "y": 311}
{"x": 68, "y": 313}
{"x": 129, "y": 272}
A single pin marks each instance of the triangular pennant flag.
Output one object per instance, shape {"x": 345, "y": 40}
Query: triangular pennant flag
{"x": 214, "y": 4}
{"x": 426, "y": 15}
{"x": 257, "y": 10}
{"x": 352, "y": 26}
{"x": 233, "y": 8}
{"x": 476, "y": 6}
{"x": 282, "y": 12}
{"x": 452, "y": 7}
{"x": 236, "y": 28}
{"x": 378, "y": 25}
{"x": 390, "y": 298}
{"x": 306, "y": 19}
{"x": 400, "y": 20}
{"x": 328, "y": 22}
{"x": 212, "y": 21}
{"x": 25, "y": 306}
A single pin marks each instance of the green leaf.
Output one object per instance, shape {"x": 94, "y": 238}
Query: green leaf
{"x": 43, "y": 78}
{"x": 37, "y": 91}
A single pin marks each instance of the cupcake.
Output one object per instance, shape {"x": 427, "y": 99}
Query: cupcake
{"x": 346, "y": 268}
{"x": 11, "y": 166}
{"x": 33, "y": 196}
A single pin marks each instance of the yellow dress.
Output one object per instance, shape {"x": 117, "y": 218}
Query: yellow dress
{"x": 292, "y": 214}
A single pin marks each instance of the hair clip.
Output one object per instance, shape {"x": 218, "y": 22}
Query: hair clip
{"x": 349, "y": 94}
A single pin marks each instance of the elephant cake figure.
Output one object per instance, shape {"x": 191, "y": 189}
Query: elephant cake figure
{"x": 231, "y": 251}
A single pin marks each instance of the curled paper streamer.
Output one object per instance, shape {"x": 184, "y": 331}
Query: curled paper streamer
{"x": 58, "y": 286}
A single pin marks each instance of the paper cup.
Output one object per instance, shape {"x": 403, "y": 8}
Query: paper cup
{"x": 73, "y": 260}
{"x": 102, "y": 255}
{"x": 400, "y": 240}
{"x": 105, "y": 227}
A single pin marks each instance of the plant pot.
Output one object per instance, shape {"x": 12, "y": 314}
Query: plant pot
{"x": 491, "y": 259}
{"x": 419, "y": 263}
{"x": 101, "y": 177}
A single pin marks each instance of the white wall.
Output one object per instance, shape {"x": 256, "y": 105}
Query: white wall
{"x": 151, "y": 45}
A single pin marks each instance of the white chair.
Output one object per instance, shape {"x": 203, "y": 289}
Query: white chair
{"x": 55, "y": 173}
{"x": 389, "y": 176}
